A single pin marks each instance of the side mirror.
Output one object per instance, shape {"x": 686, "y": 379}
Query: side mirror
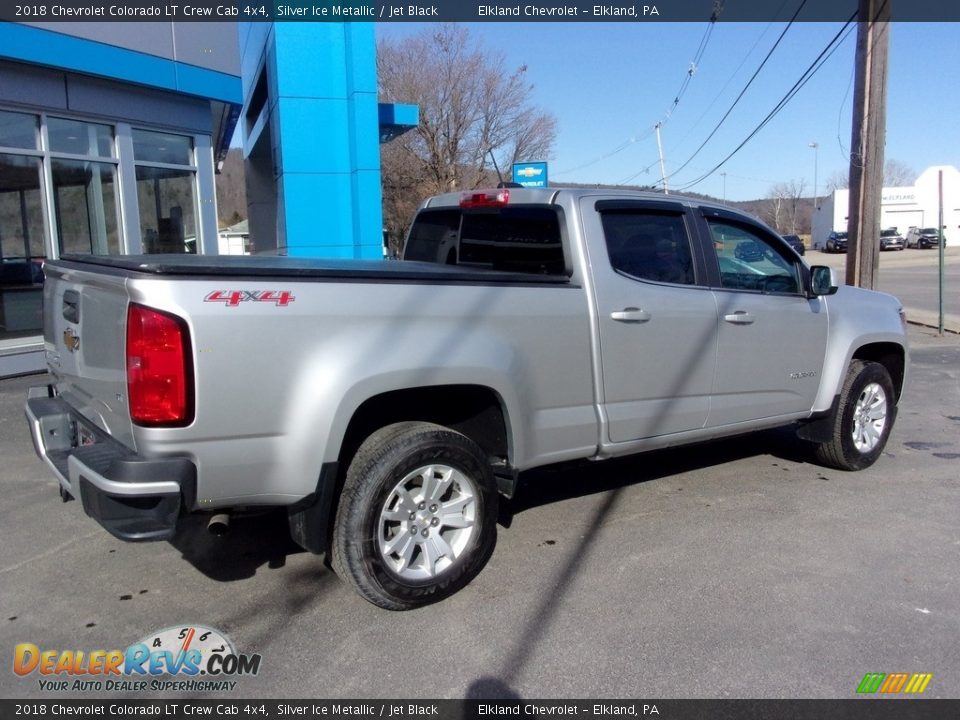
{"x": 823, "y": 281}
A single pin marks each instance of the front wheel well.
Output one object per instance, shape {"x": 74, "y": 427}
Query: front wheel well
{"x": 891, "y": 356}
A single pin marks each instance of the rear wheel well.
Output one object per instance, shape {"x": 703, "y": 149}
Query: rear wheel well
{"x": 473, "y": 410}
{"x": 891, "y": 356}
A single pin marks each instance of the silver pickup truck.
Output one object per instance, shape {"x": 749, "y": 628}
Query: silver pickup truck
{"x": 387, "y": 405}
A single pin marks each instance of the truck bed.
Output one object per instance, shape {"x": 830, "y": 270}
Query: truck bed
{"x": 305, "y": 269}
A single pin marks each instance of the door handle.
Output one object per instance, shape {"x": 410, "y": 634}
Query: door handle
{"x": 631, "y": 315}
{"x": 740, "y": 318}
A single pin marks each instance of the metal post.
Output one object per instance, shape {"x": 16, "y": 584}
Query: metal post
{"x": 940, "y": 245}
{"x": 663, "y": 168}
{"x": 815, "y": 146}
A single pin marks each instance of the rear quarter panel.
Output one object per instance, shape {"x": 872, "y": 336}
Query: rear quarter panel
{"x": 276, "y": 385}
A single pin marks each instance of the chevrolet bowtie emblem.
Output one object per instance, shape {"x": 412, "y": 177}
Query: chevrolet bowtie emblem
{"x": 71, "y": 340}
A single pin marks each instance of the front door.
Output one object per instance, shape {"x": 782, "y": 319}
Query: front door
{"x": 771, "y": 337}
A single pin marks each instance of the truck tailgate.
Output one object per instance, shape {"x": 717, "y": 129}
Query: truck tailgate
{"x": 84, "y": 338}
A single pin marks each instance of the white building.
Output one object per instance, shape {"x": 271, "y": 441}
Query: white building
{"x": 901, "y": 207}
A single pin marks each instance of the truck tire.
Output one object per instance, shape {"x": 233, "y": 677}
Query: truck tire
{"x": 865, "y": 415}
{"x": 416, "y": 519}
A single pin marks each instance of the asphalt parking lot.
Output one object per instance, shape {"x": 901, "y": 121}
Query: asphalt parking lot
{"x": 732, "y": 569}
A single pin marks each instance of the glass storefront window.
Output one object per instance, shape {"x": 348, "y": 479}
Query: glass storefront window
{"x": 85, "y": 200}
{"x": 167, "y": 211}
{"x": 21, "y": 247}
{"x": 18, "y": 130}
{"x": 80, "y": 138}
{"x": 156, "y": 147}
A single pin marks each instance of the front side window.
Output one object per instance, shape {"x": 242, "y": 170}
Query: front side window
{"x": 166, "y": 191}
{"x": 749, "y": 260}
{"x": 647, "y": 245}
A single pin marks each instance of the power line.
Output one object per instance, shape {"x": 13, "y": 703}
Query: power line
{"x": 811, "y": 70}
{"x": 743, "y": 91}
{"x": 691, "y": 70}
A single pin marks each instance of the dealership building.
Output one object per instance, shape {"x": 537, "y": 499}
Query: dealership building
{"x": 901, "y": 207}
{"x": 111, "y": 134}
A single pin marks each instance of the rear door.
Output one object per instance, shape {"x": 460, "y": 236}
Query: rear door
{"x": 771, "y": 337}
{"x": 656, "y": 320}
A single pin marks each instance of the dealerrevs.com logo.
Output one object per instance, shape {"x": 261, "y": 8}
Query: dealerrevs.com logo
{"x": 190, "y": 658}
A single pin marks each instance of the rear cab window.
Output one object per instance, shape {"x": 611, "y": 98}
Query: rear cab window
{"x": 518, "y": 238}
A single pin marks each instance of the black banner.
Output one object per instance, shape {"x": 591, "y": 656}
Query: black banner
{"x": 465, "y": 11}
{"x": 855, "y": 709}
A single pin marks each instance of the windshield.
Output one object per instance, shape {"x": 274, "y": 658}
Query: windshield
{"x": 888, "y": 233}
{"x": 929, "y": 231}
{"x": 841, "y": 236}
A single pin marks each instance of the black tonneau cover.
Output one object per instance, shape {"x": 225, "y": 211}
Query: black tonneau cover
{"x": 305, "y": 269}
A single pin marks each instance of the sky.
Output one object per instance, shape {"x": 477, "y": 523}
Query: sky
{"x": 609, "y": 84}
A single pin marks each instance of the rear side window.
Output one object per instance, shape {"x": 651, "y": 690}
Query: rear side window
{"x": 514, "y": 239}
{"x": 647, "y": 245}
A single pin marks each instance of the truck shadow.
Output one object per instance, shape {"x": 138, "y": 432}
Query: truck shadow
{"x": 253, "y": 541}
{"x": 263, "y": 540}
{"x": 578, "y": 479}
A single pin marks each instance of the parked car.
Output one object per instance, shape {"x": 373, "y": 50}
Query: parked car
{"x": 836, "y": 242}
{"x": 796, "y": 243}
{"x": 749, "y": 251}
{"x": 923, "y": 238}
{"x": 890, "y": 239}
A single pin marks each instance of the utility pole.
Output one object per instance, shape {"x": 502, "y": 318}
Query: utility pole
{"x": 663, "y": 168}
{"x": 724, "y": 176}
{"x": 866, "y": 142}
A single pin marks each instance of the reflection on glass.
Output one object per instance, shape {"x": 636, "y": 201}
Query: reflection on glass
{"x": 167, "y": 213}
{"x": 21, "y": 248}
{"x": 85, "y": 197}
{"x": 18, "y": 130}
{"x": 162, "y": 148}
{"x": 80, "y": 138}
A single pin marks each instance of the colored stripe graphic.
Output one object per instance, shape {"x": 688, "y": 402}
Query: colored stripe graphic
{"x": 894, "y": 683}
{"x": 871, "y": 682}
{"x": 918, "y": 683}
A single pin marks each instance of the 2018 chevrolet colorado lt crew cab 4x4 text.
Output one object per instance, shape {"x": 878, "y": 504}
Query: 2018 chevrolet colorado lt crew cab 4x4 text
{"x": 388, "y": 404}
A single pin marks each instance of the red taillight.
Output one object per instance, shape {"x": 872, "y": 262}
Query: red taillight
{"x": 159, "y": 382}
{"x": 485, "y": 198}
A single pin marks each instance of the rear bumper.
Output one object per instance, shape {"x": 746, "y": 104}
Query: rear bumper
{"x": 132, "y": 497}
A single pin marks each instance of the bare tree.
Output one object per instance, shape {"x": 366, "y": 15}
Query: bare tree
{"x": 895, "y": 174}
{"x": 838, "y": 180}
{"x": 898, "y": 174}
{"x": 785, "y": 201}
{"x": 470, "y": 106}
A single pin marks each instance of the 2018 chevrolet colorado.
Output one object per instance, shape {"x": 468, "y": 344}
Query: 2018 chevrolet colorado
{"x": 388, "y": 404}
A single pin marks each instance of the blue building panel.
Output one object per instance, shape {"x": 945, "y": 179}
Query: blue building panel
{"x": 33, "y": 45}
{"x": 306, "y": 127}
{"x": 318, "y": 223}
{"x": 325, "y": 123}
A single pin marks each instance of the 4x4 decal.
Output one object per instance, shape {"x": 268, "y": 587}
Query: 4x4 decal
{"x": 232, "y": 298}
